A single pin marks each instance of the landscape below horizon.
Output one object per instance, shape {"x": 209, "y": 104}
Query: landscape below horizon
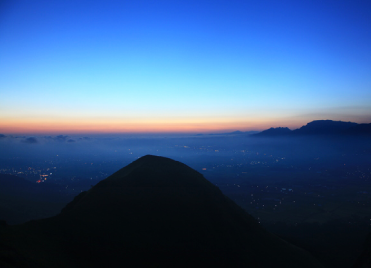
{"x": 309, "y": 186}
{"x": 185, "y": 133}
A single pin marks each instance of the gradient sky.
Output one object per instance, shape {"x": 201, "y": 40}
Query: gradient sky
{"x": 182, "y": 66}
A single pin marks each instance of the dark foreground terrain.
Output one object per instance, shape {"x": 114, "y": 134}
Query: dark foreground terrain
{"x": 155, "y": 212}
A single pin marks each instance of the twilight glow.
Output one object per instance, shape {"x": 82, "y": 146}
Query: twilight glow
{"x": 190, "y": 66}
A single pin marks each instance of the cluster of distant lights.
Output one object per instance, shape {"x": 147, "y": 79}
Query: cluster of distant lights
{"x": 43, "y": 178}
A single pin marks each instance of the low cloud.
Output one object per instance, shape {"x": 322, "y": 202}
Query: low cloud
{"x": 61, "y": 138}
{"x": 30, "y": 140}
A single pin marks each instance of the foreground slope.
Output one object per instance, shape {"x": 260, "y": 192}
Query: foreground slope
{"x": 155, "y": 212}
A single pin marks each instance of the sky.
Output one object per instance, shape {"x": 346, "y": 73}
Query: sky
{"x": 182, "y": 66}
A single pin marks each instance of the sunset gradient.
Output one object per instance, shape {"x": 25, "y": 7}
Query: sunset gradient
{"x": 182, "y": 66}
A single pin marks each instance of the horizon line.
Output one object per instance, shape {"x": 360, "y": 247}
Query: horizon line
{"x": 146, "y": 130}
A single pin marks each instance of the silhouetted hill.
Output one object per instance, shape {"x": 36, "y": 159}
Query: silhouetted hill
{"x": 273, "y": 132}
{"x": 324, "y": 127}
{"x": 320, "y": 128}
{"x": 360, "y": 129}
{"x": 155, "y": 212}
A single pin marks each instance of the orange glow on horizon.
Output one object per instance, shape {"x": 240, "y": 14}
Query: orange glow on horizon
{"x": 75, "y": 126}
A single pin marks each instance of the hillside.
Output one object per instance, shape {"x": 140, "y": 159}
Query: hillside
{"x": 155, "y": 212}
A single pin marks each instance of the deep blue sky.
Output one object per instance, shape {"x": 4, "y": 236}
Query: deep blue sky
{"x": 129, "y": 66}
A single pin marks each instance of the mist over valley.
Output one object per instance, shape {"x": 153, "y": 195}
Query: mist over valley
{"x": 313, "y": 191}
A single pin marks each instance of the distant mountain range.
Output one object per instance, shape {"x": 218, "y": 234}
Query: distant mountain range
{"x": 320, "y": 128}
{"x": 155, "y": 212}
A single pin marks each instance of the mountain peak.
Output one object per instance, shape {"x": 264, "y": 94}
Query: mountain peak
{"x": 155, "y": 212}
{"x": 156, "y": 171}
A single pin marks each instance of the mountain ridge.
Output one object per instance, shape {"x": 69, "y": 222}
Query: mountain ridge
{"x": 320, "y": 128}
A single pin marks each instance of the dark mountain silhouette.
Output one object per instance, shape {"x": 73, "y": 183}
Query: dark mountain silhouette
{"x": 324, "y": 127}
{"x": 320, "y": 128}
{"x": 155, "y": 212}
{"x": 273, "y": 132}
{"x": 360, "y": 129}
